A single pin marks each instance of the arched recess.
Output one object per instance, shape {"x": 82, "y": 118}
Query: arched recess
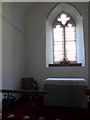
{"x": 78, "y": 18}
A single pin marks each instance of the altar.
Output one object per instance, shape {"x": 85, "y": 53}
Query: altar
{"x": 65, "y": 92}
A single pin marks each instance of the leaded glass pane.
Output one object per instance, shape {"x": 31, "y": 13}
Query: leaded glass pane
{"x": 63, "y": 18}
{"x": 58, "y": 43}
{"x": 64, "y": 35}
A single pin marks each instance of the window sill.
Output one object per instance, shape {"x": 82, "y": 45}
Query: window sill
{"x": 65, "y": 65}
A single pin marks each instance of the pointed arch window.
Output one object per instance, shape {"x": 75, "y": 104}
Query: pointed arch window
{"x": 64, "y": 38}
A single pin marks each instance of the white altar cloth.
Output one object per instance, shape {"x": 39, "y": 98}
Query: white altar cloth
{"x": 65, "y": 92}
{"x": 65, "y": 81}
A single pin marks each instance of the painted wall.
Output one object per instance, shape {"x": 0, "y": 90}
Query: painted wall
{"x": 0, "y": 55}
{"x": 89, "y": 43}
{"x": 16, "y": 45}
{"x": 36, "y": 45}
{"x": 13, "y": 47}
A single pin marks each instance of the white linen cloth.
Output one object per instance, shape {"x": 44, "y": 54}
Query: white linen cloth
{"x": 65, "y": 81}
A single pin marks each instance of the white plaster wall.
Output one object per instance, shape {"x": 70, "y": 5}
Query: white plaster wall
{"x": 13, "y": 48}
{"x": 36, "y": 45}
{"x": 89, "y": 43}
{"x": 16, "y": 12}
{"x": 0, "y": 55}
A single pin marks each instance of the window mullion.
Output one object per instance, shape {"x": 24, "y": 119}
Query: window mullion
{"x": 64, "y": 43}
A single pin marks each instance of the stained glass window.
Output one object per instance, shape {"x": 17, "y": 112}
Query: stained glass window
{"x": 64, "y": 35}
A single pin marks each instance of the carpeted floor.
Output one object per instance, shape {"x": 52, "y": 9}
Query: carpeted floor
{"x": 37, "y": 111}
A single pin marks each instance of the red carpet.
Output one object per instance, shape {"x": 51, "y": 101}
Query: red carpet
{"x": 35, "y": 109}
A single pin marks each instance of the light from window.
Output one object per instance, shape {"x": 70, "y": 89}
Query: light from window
{"x": 70, "y": 42}
{"x": 64, "y": 34}
{"x": 63, "y": 19}
{"x": 58, "y": 43}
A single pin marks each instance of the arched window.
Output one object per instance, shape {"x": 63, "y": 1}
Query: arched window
{"x": 64, "y": 38}
{"x": 65, "y": 35}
